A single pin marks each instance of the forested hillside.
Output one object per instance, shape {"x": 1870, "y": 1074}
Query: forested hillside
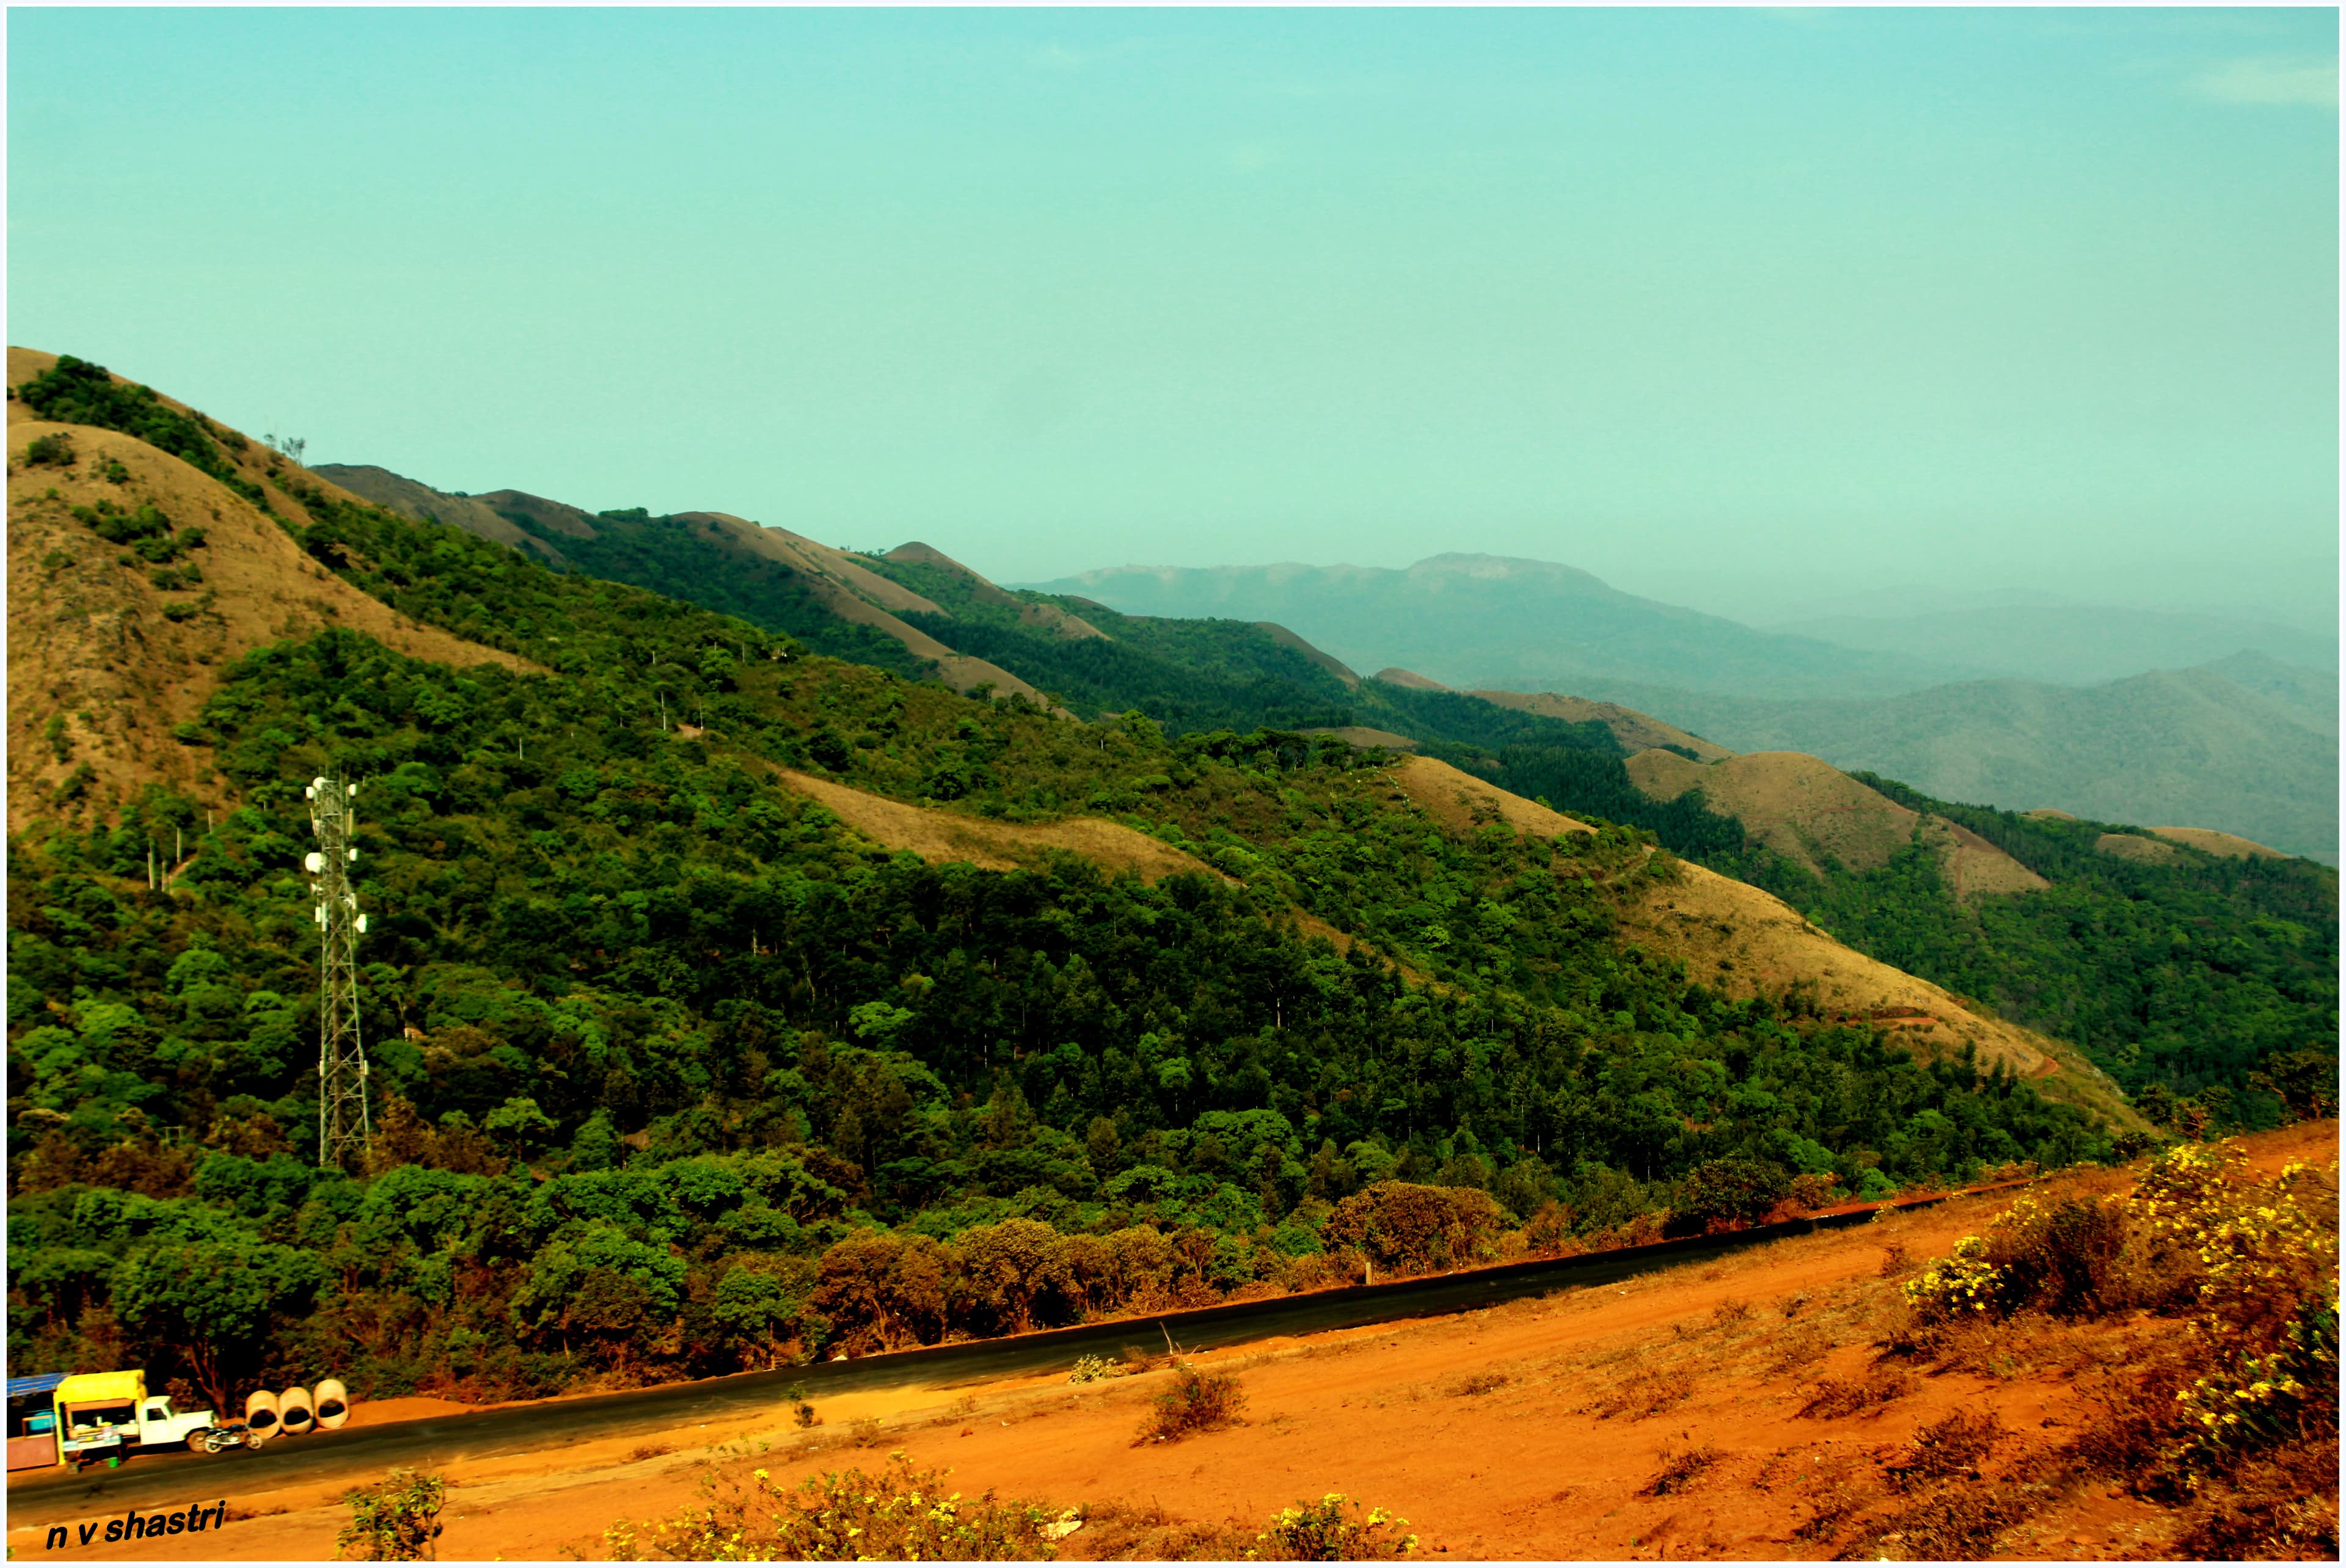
{"x": 2185, "y": 974}
{"x": 677, "y": 1074}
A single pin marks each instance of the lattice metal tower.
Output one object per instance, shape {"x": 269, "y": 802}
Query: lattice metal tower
{"x": 343, "y": 1127}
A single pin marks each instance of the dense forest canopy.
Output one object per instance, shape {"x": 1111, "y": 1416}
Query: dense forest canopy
{"x": 678, "y": 1074}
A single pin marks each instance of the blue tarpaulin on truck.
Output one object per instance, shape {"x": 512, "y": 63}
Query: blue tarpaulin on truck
{"x": 38, "y": 1383}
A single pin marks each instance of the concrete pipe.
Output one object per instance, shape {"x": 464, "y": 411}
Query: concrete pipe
{"x": 260, "y": 1411}
{"x": 295, "y": 1415}
{"x": 333, "y": 1402}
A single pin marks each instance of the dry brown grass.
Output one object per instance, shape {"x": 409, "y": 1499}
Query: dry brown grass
{"x": 1801, "y": 1346}
{"x": 1647, "y": 1391}
{"x": 1633, "y": 730}
{"x": 1462, "y": 802}
{"x": 1954, "y": 1524}
{"x": 1745, "y": 941}
{"x": 2215, "y": 844}
{"x": 1680, "y": 1470}
{"x": 937, "y": 835}
{"x": 1838, "y": 1397}
{"x": 1474, "y": 1383}
{"x": 1952, "y": 1445}
{"x": 2284, "y": 1508}
{"x": 90, "y": 643}
{"x": 1198, "y": 1401}
{"x": 1128, "y": 1533}
{"x": 2137, "y": 847}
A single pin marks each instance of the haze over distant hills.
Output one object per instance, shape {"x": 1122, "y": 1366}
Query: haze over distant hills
{"x": 2070, "y": 645}
{"x": 2245, "y": 745}
{"x": 1492, "y": 620}
{"x": 2246, "y": 742}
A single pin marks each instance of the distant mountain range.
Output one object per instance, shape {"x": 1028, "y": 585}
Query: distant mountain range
{"x": 2246, "y": 744}
{"x": 2067, "y": 645}
{"x": 1496, "y": 621}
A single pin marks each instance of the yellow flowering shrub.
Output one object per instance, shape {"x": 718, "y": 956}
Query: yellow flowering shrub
{"x": 1333, "y": 1530}
{"x": 1961, "y": 1284}
{"x": 2250, "y": 1260}
{"x": 900, "y": 1515}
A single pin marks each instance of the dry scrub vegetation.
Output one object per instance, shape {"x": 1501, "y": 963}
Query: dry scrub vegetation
{"x": 2196, "y": 1315}
{"x": 841, "y": 1516}
{"x": 2220, "y": 1395}
{"x": 1195, "y": 1403}
{"x": 902, "y": 1513}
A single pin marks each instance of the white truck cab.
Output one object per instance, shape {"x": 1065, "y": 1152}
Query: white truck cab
{"x": 161, "y": 1427}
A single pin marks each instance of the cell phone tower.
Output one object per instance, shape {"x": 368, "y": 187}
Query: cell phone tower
{"x": 343, "y": 1127}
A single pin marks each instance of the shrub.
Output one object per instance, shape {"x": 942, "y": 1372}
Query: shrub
{"x": 1645, "y": 1392}
{"x": 1729, "y": 1192}
{"x": 1954, "y": 1444}
{"x": 1955, "y": 1524}
{"x": 1678, "y": 1470}
{"x": 2252, "y": 1261}
{"x": 1197, "y": 1402}
{"x": 1333, "y": 1530}
{"x": 1092, "y": 1369}
{"x": 75, "y": 391}
{"x": 2064, "y": 1260}
{"x": 55, "y": 450}
{"x": 396, "y": 1521}
{"x": 1406, "y": 1228}
{"x": 1837, "y": 1397}
{"x": 900, "y": 1514}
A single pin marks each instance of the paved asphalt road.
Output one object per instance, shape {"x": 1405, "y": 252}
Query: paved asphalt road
{"x": 178, "y": 1479}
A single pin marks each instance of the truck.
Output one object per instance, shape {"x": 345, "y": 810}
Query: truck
{"x": 110, "y": 1416}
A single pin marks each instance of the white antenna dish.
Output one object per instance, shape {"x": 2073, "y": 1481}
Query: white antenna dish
{"x": 354, "y": 857}
{"x": 314, "y": 862}
{"x": 362, "y": 925}
{"x": 354, "y": 789}
{"x": 319, "y": 782}
{"x": 308, "y": 793}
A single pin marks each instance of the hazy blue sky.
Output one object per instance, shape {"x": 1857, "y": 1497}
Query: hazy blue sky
{"x": 1804, "y": 299}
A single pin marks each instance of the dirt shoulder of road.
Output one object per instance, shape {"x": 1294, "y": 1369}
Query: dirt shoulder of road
{"x": 1533, "y": 1429}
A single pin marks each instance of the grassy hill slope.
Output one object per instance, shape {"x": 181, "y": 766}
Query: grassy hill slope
{"x": 138, "y": 576}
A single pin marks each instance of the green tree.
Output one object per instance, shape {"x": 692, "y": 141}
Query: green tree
{"x": 211, "y": 1303}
